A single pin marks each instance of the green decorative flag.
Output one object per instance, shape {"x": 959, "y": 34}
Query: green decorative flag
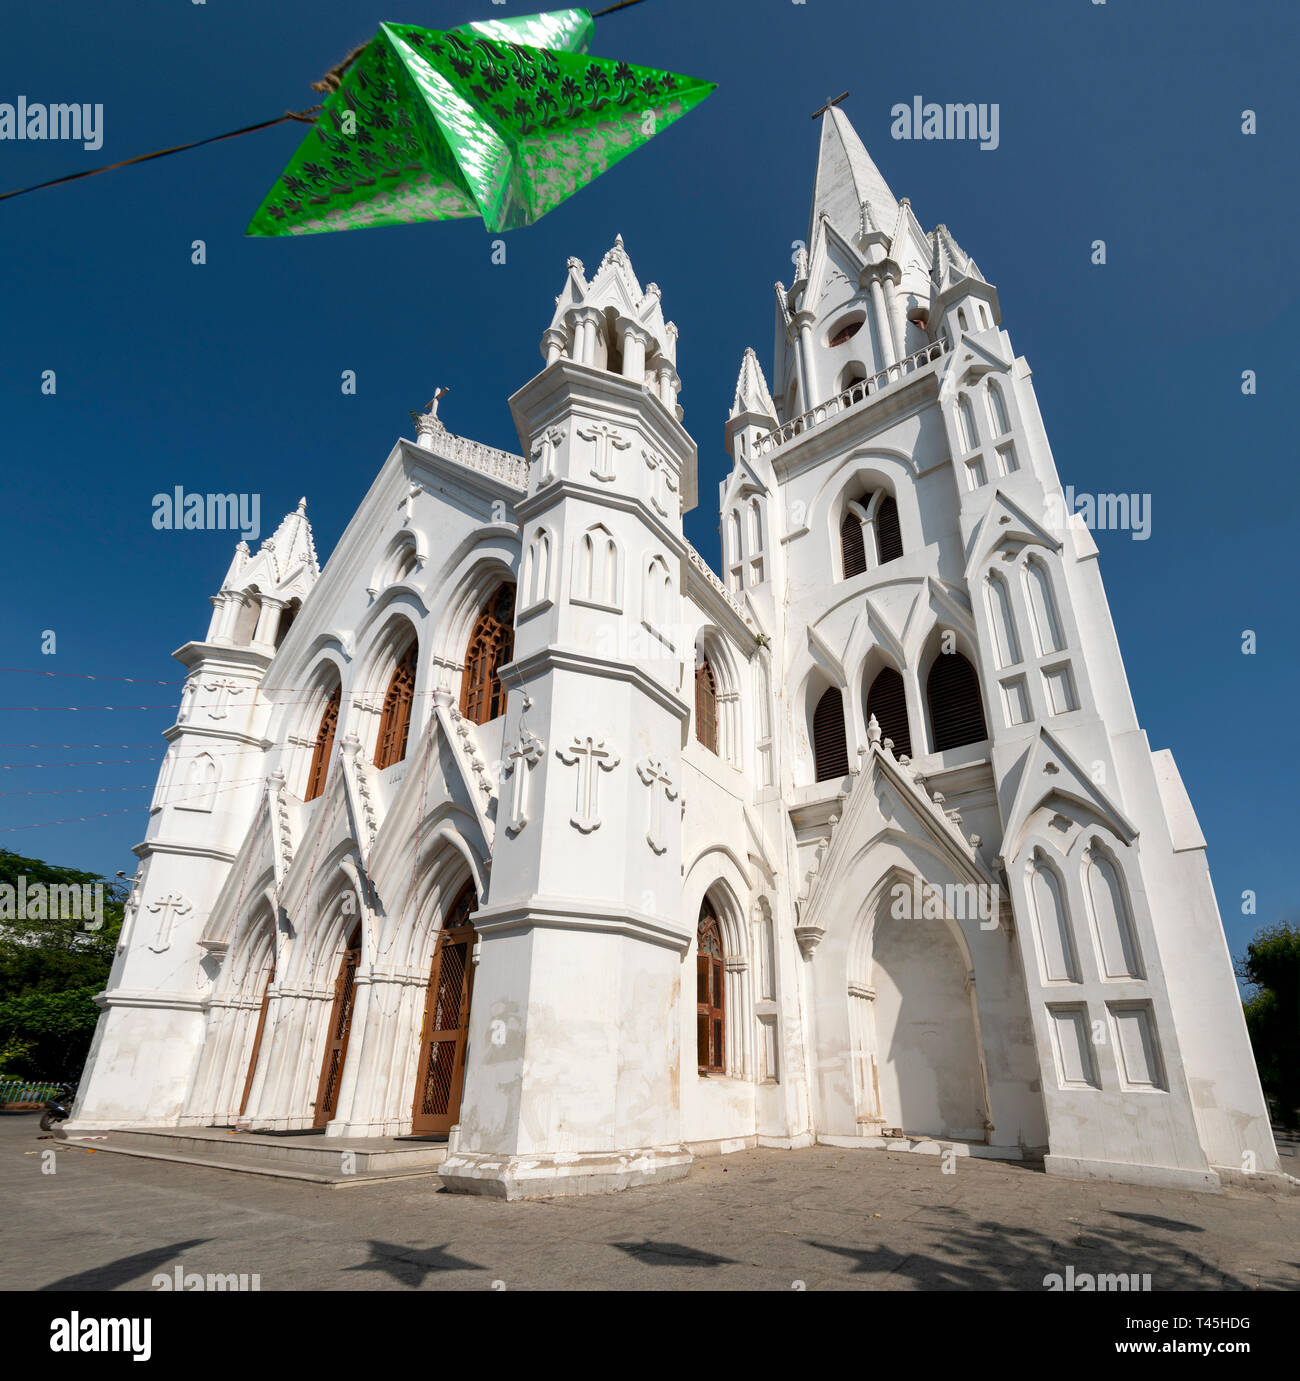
{"x": 502, "y": 119}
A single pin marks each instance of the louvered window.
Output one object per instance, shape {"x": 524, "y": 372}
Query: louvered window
{"x": 888, "y": 702}
{"x": 889, "y": 536}
{"x": 710, "y": 1011}
{"x": 395, "y": 724}
{"x": 853, "y": 552}
{"x": 320, "y": 758}
{"x": 491, "y": 646}
{"x": 830, "y": 746}
{"x": 956, "y": 711}
{"x": 706, "y": 706}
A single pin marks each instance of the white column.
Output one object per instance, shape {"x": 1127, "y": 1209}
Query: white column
{"x": 884, "y": 326}
{"x": 268, "y": 620}
{"x": 894, "y": 311}
{"x": 634, "y": 344}
{"x": 803, "y": 321}
{"x": 553, "y": 344}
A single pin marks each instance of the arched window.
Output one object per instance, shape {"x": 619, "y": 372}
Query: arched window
{"x": 710, "y": 993}
{"x": 853, "y": 551}
{"x": 658, "y": 595}
{"x": 969, "y": 435}
{"x": 1052, "y": 921}
{"x": 537, "y": 569}
{"x": 200, "y": 784}
{"x": 956, "y": 711}
{"x": 888, "y": 702}
{"x": 1038, "y": 588}
{"x": 395, "y": 723}
{"x": 706, "y": 706}
{"x": 850, "y": 375}
{"x": 889, "y": 536}
{"x": 1005, "y": 641}
{"x": 1108, "y": 905}
{"x": 998, "y": 410}
{"x": 491, "y": 645}
{"x": 596, "y": 574}
{"x": 830, "y": 740}
{"x": 320, "y": 758}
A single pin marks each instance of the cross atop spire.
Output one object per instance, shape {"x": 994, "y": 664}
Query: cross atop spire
{"x": 835, "y": 101}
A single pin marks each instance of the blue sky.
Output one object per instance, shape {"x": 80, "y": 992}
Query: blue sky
{"x": 1118, "y": 121}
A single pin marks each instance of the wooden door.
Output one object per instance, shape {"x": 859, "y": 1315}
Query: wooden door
{"x": 331, "y": 1074}
{"x": 441, "y": 1069}
{"x": 257, "y": 1039}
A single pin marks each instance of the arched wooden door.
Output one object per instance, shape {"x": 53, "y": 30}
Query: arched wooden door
{"x": 336, "y": 1050}
{"x": 441, "y": 1069}
{"x": 257, "y": 1038}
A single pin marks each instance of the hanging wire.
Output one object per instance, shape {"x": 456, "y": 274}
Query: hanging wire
{"x": 329, "y": 83}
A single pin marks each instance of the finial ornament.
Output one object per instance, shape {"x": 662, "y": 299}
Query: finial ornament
{"x": 427, "y": 423}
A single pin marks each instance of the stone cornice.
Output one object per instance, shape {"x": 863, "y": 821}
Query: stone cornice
{"x": 557, "y": 659}
{"x": 567, "y": 488}
{"x": 168, "y": 846}
{"x": 245, "y": 659}
{"x": 572, "y": 913}
{"x": 137, "y": 997}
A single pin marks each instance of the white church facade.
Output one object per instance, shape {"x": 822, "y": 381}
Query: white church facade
{"x": 516, "y": 824}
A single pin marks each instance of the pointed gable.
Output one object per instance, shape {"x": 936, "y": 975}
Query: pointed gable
{"x": 1051, "y": 774}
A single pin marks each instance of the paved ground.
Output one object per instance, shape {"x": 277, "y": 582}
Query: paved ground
{"x": 755, "y": 1220}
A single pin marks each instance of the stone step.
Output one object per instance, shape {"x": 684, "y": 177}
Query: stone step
{"x": 924, "y": 1145}
{"x": 334, "y": 1161}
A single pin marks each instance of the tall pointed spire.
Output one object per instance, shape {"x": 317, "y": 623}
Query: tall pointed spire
{"x": 847, "y": 180}
{"x": 752, "y": 393}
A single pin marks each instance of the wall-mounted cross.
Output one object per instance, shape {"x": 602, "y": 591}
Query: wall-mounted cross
{"x": 524, "y": 755}
{"x": 167, "y": 909}
{"x": 828, "y": 104}
{"x": 589, "y": 754}
{"x": 655, "y": 776}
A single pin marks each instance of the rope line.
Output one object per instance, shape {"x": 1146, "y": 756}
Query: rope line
{"x": 308, "y": 116}
{"x": 329, "y": 83}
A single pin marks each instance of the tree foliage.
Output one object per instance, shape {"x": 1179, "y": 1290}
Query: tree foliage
{"x": 51, "y": 967}
{"x": 1271, "y": 967}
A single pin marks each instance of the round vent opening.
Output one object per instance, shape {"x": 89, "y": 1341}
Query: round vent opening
{"x": 845, "y": 329}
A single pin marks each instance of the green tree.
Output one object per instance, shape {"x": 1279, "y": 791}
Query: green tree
{"x": 51, "y": 966}
{"x": 1271, "y": 967}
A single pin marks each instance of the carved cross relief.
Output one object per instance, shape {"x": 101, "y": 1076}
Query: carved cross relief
{"x": 663, "y": 483}
{"x": 606, "y": 439}
{"x": 524, "y": 755}
{"x": 655, "y": 776}
{"x": 544, "y": 453}
{"x": 224, "y": 690}
{"x": 591, "y": 757}
{"x": 167, "y": 909}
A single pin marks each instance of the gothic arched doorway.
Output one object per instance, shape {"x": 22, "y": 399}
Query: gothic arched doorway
{"x": 257, "y": 1037}
{"x": 336, "y": 1050}
{"x": 440, "y": 1071}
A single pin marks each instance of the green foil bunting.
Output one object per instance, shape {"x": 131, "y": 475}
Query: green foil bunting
{"x": 502, "y": 119}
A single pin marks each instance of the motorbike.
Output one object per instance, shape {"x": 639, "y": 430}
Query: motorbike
{"x": 58, "y": 1107}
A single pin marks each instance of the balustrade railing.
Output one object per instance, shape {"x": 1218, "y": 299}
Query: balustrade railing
{"x": 856, "y": 393}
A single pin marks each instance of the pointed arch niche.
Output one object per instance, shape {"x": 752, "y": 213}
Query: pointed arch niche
{"x": 717, "y": 697}
{"x": 954, "y": 703}
{"x": 491, "y": 646}
{"x": 1109, "y": 912}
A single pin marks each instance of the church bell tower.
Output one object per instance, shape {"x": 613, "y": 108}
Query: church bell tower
{"x": 572, "y": 1081}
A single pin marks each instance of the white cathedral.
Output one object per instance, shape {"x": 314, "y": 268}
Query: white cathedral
{"x": 516, "y": 825}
